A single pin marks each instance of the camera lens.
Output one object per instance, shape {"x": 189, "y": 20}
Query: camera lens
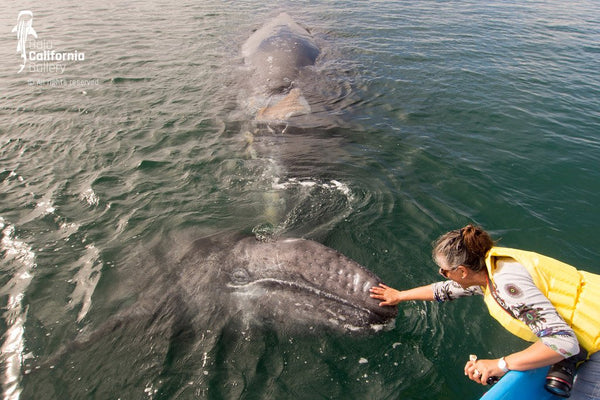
{"x": 559, "y": 380}
{"x": 558, "y": 387}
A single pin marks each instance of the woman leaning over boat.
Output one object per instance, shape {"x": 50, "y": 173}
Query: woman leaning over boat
{"x": 535, "y": 297}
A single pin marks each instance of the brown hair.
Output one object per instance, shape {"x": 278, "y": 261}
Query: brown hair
{"x": 467, "y": 246}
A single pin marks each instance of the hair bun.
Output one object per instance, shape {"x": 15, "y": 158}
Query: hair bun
{"x": 476, "y": 240}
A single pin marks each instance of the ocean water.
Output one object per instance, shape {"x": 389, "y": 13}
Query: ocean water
{"x": 445, "y": 113}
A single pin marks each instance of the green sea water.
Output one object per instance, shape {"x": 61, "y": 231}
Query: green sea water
{"x": 449, "y": 112}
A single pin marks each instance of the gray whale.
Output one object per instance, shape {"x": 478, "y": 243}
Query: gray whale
{"x": 194, "y": 303}
{"x": 278, "y": 53}
{"x": 294, "y": 283}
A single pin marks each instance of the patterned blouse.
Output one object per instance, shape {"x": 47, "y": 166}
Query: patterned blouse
{"x": 517, "y": 293}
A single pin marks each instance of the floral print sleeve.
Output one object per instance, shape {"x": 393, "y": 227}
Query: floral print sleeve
{"x": 450, "y": 290}
{"x": 516, "y": 292}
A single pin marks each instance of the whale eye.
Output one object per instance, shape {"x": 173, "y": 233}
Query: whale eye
{"x": 240, "y": 276}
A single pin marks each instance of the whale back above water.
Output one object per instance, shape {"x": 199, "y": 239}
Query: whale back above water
{"x": 278, "y": 51}
{"x": 293, "y": 78}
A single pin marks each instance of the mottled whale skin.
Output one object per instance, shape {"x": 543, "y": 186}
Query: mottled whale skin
{"x": 292, "y": 283}
{"x": 278, "y": 51}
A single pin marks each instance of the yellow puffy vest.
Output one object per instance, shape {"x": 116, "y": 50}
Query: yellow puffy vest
{"x": 575, "y": 295}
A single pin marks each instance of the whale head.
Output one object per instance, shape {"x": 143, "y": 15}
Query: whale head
{"x": 291, "y": 284}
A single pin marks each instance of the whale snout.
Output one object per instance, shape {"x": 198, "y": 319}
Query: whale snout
{"x": 303, "y": 283}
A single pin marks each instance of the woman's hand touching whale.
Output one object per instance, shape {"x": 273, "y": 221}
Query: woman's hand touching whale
{"x": 391, "y": 296}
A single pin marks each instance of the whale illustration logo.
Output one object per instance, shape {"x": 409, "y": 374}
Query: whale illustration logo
{"x": 24, "y": 28}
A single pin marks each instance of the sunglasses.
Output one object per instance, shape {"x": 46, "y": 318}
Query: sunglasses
{"x": 445, "y": 272}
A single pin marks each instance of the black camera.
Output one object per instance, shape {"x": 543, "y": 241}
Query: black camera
{"x": 559, "y": 380}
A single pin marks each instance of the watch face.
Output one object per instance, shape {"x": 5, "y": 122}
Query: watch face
{"x": 502, "y": 364}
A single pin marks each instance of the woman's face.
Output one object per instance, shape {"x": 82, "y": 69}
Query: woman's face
{"x": 459, "y": 274}
{"x": 445, "y": 269}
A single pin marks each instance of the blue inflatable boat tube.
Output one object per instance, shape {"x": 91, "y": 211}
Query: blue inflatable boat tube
{"x": 521, "y": 385}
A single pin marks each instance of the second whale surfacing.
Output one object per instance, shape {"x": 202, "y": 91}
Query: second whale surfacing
{"x": 278, "y": 53}
{"x": 294, "y": 77}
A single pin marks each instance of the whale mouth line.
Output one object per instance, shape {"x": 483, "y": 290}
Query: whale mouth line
{"x": 303, "y": 288}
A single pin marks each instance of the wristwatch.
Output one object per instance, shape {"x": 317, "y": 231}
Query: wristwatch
{"x": 502, "y": 365}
